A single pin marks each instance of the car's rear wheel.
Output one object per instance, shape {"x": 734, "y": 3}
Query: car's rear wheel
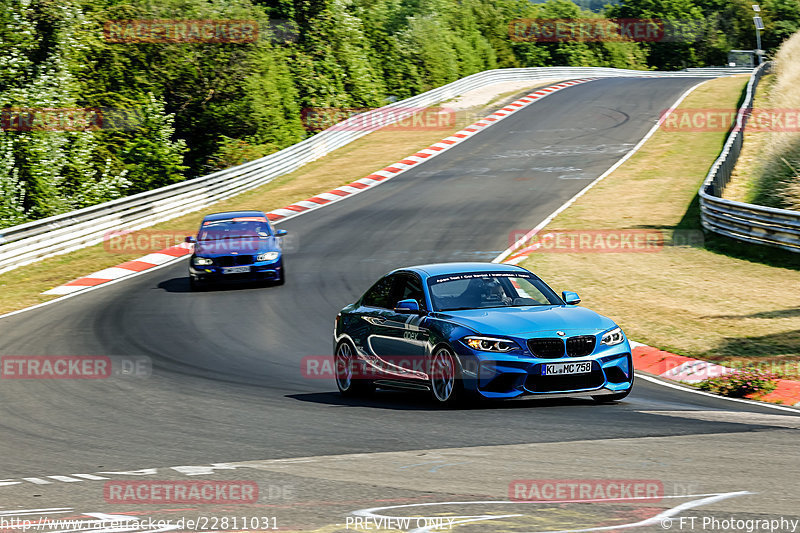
{"x": 345, "y": 365}
{"x": 445, "y": 383}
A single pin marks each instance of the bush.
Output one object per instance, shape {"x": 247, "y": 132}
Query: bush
{"x": 741, "y": 383}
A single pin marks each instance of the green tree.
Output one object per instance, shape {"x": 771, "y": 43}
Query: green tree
{"x": 152, "y": 159}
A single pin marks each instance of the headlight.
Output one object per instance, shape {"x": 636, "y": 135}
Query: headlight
{"x": 612, "y": 337}
{"x": 200, "y": 261}
{"x": 490, "y": 344}
{"x": 269, "y": 256}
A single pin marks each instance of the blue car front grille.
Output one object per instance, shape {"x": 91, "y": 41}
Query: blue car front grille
{"x": 234, "y": 260}
{"x": 552, "y": 348}
{"x": 546, "y": 348}
{"x": 581, "y": 345}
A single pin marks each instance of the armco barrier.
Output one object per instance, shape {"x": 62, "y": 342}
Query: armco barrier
{"x": 745, "y": 222}
{"x": 30, "y": 242}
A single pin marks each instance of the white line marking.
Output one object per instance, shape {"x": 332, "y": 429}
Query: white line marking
{"x": 615, "y": 166}
{"x": 156, "y": 258}
{"x": 90, "y": 476}
{"x": 307, "y": 203}
{"x": 109, "y": 273}
{"x": 347, "y": 188}
{"x": 37, "y": 480}
{"x": 703, "y": 499}
{"x": 46, "y": 510}
{"x": 329, "y": 196}
{"x": 65, "y": 479}
{"x": 704, "y": 393}
{"x": 65, "y": 289}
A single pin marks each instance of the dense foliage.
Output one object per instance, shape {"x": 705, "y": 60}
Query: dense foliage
{"x": 171, "y": 111}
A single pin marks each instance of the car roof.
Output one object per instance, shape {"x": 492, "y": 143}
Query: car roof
{"x": 233, "y": 214}
{"x": 438, "y": 269}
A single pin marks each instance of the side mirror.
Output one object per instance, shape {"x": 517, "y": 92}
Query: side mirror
{"x": 280, "y": 232}
{"x": 189, "y": 239}
{"x": 408, "y": 307}
{"x": 571, "y": 298}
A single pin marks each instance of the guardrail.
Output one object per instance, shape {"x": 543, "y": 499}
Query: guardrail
{"x": 33, "y": 241}
{"x": 745, "y": 222}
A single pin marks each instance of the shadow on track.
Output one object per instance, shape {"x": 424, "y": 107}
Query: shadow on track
{"x": 181, "y": 285}
{"x": 414, "y": 401}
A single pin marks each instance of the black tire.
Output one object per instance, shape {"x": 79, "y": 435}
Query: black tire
{"x": 445, "y": 382}
{"x": 344, "y": 362}
{"x": 282, "y": 279}
{"x": 197, "y": 286}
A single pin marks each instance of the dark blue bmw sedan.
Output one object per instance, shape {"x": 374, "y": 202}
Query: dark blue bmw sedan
{"x": 467, "y": 330}
{"x": 236, "y": 246}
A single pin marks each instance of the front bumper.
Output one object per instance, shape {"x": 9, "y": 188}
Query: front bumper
{"x": 259, "y": 271}
{"x": 501, "y": 376}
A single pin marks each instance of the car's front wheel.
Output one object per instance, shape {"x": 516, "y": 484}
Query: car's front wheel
{"x": 345, "y": 365}
{"x": 444, "y": 378}
{"x": 197, "y": 286}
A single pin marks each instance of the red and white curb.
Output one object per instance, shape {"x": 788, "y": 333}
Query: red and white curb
{"x": 320, "y": 200}
{"x": 124, "y": 269}
{"x": 684, "y": 369}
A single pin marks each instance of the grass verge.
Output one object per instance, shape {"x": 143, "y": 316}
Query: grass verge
{"x": 714, "y": 300}
{"x": 22, "y": 287}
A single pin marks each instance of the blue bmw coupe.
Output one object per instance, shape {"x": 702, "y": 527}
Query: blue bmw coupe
{"x": 478, "y": 330}
{"x": 236, "y": 246}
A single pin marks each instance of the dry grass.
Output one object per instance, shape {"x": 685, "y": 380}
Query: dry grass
{"x": 685, "y": 299}
{"x": 22, "y": 287}
{"x": 769, "y": 172}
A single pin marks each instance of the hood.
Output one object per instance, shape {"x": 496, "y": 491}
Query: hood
{"x": 249, "y": 246}
{"x": 522, "y": 321}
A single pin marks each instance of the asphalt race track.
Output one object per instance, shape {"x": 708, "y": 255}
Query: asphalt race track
{"x": 227, "y": 385}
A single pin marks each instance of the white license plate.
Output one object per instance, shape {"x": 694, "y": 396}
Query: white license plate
{"x": 235, "y": 270}
{"x": 558, "y": 369}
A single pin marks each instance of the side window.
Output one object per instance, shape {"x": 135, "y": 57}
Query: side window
{"x": 380, "y": 295}
{"x": 410, "y": 287}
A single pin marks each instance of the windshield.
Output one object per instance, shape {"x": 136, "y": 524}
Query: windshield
{"x": 234, "y": 228}
{"x": 478, "y": 290}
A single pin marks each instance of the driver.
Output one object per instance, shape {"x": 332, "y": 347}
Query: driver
{"x": 493, "y": 294}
